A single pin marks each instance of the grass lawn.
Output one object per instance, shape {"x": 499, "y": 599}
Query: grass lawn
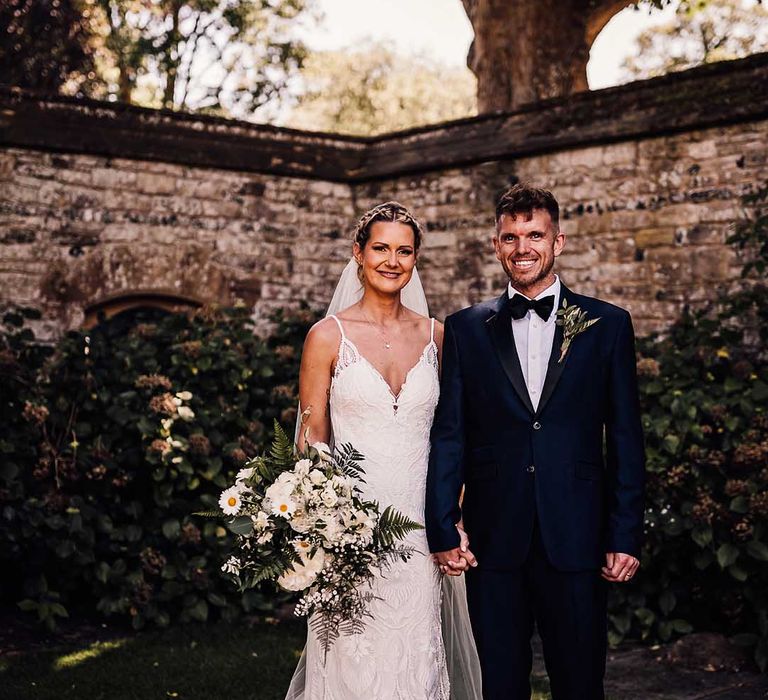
{"x": 205, "y": 662}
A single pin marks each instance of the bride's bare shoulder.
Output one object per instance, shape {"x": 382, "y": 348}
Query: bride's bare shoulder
{"x": 323, "y": 337}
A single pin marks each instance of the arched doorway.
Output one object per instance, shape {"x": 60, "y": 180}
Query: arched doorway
{"x": 137, "y": 306}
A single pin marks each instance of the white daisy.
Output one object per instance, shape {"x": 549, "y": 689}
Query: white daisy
{"x": 279, "y": 500}
{"x": 230, "y": 501}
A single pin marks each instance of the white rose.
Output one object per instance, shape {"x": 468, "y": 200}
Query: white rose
{"x": 329, "y": 497}
{"x": 278, "y": 490}
{"x": 302, "y": 467}
{"x": 286, "y": 479}
{"x": 303, "y": 574}
{"x": 316, "y": 477}
{"x": 295, "y": 580}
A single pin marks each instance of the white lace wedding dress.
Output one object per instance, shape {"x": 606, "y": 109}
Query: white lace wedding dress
{"x": 400, "y": 655}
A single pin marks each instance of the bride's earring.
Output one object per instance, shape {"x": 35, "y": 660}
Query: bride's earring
{"x": 360, "y": 275}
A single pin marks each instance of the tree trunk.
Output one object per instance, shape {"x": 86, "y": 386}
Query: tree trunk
{"x": 530, "y": 50}
{"x": 171, "y": 58}
{"x": 125, "y": 83}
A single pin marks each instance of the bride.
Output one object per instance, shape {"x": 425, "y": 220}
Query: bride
{"x": 370, "y": 377}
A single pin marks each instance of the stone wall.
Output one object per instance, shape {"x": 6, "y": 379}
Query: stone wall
{"x": 77, "y": 231}
{"x": 99, "y": 203}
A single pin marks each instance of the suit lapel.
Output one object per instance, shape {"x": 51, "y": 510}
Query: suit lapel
{"x": 554, "y": 368}
{"x": 500, "y": 327}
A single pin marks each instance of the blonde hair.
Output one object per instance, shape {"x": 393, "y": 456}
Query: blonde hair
{"x": 388, "y": 211}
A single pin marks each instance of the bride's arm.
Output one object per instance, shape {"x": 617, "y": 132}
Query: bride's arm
{"x": 317, "y": 359}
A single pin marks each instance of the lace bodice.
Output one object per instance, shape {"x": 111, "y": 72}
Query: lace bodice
{"x": 391, "y": 431}
{"x": 400, "y": 655}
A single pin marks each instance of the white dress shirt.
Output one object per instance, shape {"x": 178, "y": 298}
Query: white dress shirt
{"x": 533, "y": 340}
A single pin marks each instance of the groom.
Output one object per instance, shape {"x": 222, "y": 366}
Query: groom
{"x": 540, "y": 423}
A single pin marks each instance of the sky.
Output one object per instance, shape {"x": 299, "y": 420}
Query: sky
{"x": 440, "y": 30}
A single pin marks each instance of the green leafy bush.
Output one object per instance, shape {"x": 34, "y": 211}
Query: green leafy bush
{"x": 113, "y": 442}
{"x": 704, "y": 391}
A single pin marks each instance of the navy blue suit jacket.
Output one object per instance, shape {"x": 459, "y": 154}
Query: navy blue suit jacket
{"x": 577, "y": 463}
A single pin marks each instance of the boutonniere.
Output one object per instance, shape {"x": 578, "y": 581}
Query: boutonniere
{"x": 574, "y": 321}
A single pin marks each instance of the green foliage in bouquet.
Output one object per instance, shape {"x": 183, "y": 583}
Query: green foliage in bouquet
{"x": 113, "y": 438}
{"x": 302, "y": 522}
{"x": 704, "y": 392}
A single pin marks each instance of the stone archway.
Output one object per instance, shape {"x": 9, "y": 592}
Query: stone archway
{"x": 526, "y": 51}
{"x": 120, "y": 303}
{"x": 114, "y": 278}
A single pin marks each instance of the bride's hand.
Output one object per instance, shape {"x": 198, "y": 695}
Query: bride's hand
{"x": 455, "y": 561}
{"x": 450, "y": 562}
{"x": 464, "y": 545}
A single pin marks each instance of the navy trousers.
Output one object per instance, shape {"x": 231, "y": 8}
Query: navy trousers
{"x": 569, "y": 610}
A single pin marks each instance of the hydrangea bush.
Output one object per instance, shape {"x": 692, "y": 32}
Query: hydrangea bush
{"x": 113, "y": 439}
{"x": 704, "y": 392}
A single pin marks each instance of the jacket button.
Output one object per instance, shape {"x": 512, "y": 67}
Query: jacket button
{"x": 530, "y": 469}
{"x": 537, "y": 425}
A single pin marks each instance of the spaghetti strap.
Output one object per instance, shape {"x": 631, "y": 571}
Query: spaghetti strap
{"x": 432, "y": 331}
{"x": 341, "y": 328}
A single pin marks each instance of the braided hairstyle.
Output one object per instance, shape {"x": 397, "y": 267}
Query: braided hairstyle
{"x": 388, "y": 211}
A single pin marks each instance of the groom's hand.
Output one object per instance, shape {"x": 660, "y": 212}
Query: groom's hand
{"x": 619, "y": 567}
{"x": 455, "y": 561}
{"x": 451, "y": 562}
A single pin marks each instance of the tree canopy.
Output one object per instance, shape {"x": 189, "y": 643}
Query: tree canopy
{"x": 373, "y": 90}
{"x": 225, "y": 56}
{"x": 704, "y": 32}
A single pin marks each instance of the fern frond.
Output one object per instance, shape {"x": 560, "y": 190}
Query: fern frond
{"x": 396, "y": 553}
{"x": 393, "y": 525}
{"x": 327, "y": 629}
{"x": 209, "y": 513}
{"x": 282, "y": 452}
{"x": 348, "y": 459}
{"x": 265, "y": 572}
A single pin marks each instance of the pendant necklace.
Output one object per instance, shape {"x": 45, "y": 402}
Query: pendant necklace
{"x": 387, "y": 344}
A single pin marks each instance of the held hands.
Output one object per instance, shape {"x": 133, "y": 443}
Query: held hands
{"x": 619, "y": 568}
{"x": 454, "y": 562}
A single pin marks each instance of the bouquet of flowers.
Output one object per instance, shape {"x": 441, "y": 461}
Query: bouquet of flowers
{"x": 301, "y": 522}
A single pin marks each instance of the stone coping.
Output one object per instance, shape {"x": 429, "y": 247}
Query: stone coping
{"x": 708, "y": 96}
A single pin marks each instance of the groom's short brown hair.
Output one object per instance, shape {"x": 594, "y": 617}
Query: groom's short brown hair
{"x": 523, "y": 199}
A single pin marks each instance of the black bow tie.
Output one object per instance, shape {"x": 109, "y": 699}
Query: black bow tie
{"x": 520, "y": 305}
